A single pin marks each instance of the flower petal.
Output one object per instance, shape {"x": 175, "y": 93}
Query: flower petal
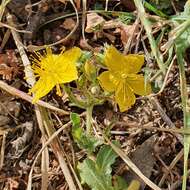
{"x": 114, "y": 59}
{"x": 71, "y": 55}
{"x": 41, "y": 88}
{"x": 137, "y": 83}
{"x": 124, "y": 97}
{"x": 105, "y": 81}
{"x": 66, "y": 65}
{"x": 69, "y": 74}
{"x": 133, "y": 63}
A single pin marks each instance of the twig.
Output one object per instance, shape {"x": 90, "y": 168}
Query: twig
{"x": 13, "y": 28}
{"x": 5, "y": 39}
{"x": 150, "y": 128}
{"x": 24, "y": 96}
{"x": 173, "y": 163}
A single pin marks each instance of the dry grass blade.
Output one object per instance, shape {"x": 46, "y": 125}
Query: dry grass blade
{"x": 49, "y": 141}
{"x": 133, "y": 167}
{"x": 58, "y": 149}
{"x": 106, "y": 6}
{"x": 147, "y": 25}
{"x": 30, "y": 78}
{"x": 2, "y": 7}
{"x": 83, "y": 19}
{"x": 2, "y": 154}
{"x": 5, "y": 39}
{"x": 44, "y": 166}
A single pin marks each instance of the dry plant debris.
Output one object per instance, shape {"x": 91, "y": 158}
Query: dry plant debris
{"x": 94, "y": 95}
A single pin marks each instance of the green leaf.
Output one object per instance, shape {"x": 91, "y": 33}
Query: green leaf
{"x": 97, "y": 174}
{"x": 105, "y": 158}
{"x": 91, "y": 175}
{"x": 84, "y": 57}
{"x": 83, "y": 140}
{"x": 75, "y": 118}
{"x": 187, "y": 9}
{"x": 183, "y": 41}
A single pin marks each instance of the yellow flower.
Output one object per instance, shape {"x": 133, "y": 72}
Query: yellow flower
{"x": 53, "y": 70}
{"x": 122, "y": 78}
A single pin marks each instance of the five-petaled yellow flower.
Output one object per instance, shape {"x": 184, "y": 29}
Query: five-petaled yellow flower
{"x": 122, "y": 78}
{"x": 53, "y": 70}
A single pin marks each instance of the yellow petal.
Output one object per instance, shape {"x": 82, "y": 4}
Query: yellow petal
{"x": 133, "y": 63}
{"x": 41, "y": 88}
{"x": 71, "y": 55}
{"x": 67, "y": 72}
{"x": 124, "y": 97}
{"x": 137, "y": 83}
{"x": 66, "y": 65}
{"x": 114, "y": 59}
{"x": 105, "y": 81}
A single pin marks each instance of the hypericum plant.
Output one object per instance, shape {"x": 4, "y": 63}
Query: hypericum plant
{"x": 54, "y": 70}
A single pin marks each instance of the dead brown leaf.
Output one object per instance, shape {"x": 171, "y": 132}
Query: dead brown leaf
{"x": 94, "y": 22}
{"x": 143, "y": 158}
{"x": 69, "y": 24}
{"x": 128, "y": 32}
{"x": 8, "y": 65}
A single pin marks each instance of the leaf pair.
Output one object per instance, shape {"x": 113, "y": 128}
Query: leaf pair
{"x": 97, "y": 174}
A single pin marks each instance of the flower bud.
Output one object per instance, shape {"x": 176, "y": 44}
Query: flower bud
{"x": 95, "y": 90}
{"x": 90, "y": 70}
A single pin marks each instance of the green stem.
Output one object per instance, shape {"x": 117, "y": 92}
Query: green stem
{"x": 155, "y": 10}
{"x": 89, "y": 119}
{"x": 186, "y": 114}
{"x": 88, "y": 105}
{"x": 80, "y": 104}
